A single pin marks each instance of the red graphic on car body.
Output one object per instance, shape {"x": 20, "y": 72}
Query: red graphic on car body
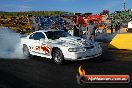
{"x": 45, "y": 48}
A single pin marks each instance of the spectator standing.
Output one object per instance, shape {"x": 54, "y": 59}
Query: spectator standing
{"x": 81, "y": 29}
{"x": 104, "y": 27}
{"x": 90, "y": 32}
{"x": 96, "y": 28}
{"x": 117, "y": 27}
{"x": 111, "y": 28}
{"x": 75, "y": 30}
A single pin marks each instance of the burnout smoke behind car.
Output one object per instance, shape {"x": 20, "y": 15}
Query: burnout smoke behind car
{"x": 9, "y": 44}
{"x": 102, "y": 37}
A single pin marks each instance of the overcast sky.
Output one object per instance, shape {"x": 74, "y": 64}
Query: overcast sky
{"x": 94, "y": 6}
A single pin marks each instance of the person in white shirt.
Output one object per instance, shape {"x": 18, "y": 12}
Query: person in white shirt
{"x": 90, "y": 31}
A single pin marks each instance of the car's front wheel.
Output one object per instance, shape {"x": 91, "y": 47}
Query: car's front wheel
{"x": 57, "y": 56}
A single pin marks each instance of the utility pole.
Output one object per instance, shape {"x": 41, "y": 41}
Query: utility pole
{"x": 124, "y": 4}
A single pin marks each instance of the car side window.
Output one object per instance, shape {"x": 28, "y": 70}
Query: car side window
{"x": 37, "y": 36}
{"x": 31, "y": 36}
{"x": 40, "y": 35}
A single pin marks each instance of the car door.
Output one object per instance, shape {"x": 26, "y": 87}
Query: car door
{"x": 42, "y": 46}
{"x": 39, "y": 45}
{"x": 35, "y": 42}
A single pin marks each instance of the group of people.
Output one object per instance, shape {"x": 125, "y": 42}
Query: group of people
{"x": 88, "y": 32}
{"x": 13, "y": 21}
{"x": 116, "y": 26}
{"x": 18, "y": 23}
{"x": 78, "y": 29}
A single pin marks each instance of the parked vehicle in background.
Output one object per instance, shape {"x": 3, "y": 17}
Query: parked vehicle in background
{"x": 129, "y": 26}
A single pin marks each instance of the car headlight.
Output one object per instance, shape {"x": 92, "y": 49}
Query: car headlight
{"x": 72, "y": 50}
{"x": 76, "y": 49}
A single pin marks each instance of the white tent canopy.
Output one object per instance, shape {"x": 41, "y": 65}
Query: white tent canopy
{"x": 130, "y": 24}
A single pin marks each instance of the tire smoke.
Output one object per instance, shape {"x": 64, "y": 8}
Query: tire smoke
{"x": 103, "y": 37}
{"x": 10, "y": 44}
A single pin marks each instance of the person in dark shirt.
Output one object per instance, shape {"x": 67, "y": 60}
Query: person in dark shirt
{"x": 117, "y": 27}
{"x": 75, "y": 30}
{"x": 111, "y": 27}
{"x": 65, "y": 28}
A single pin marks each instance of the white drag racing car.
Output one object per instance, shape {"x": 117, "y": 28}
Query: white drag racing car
{"x": 59, "y": 46}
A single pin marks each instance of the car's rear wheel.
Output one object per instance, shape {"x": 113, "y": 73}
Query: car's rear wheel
{"x": 26, "y": 52}
{"x": 57, "y": 56}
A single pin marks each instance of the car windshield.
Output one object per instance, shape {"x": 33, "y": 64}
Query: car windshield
{"x": 56, "y": 34}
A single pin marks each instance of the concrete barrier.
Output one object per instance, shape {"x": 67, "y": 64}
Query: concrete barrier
{"x": 121, "y": 41}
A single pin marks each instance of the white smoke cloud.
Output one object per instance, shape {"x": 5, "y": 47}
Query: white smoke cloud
{"x": 103, "y": 37}
{"x": 10, "y": 44}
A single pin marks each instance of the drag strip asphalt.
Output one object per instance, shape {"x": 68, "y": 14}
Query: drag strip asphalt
{"x": 42, "y": 73}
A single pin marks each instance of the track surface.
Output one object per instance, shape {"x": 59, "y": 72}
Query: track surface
{"x": 42, "y": 73}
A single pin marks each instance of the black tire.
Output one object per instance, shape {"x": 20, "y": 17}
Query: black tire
{"x": 58, "y": 56}
{"x": 26, "y": 52}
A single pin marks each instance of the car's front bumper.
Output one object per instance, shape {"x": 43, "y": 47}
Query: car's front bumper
{"x": 88, "y": 54}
